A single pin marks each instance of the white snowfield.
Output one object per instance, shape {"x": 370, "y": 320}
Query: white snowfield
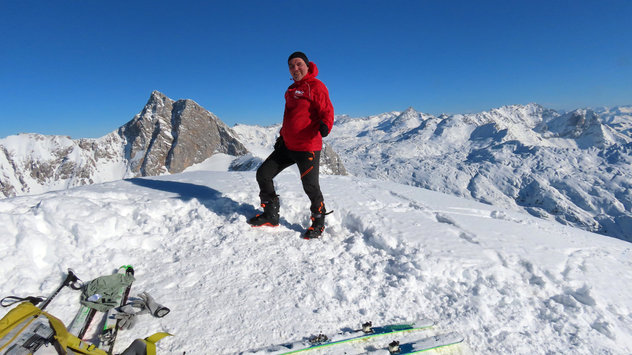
{"x": 508, "y": 282}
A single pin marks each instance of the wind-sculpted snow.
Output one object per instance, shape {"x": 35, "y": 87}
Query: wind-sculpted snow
{"x": 574, "y": 168}
{"x": 509, "y": 282}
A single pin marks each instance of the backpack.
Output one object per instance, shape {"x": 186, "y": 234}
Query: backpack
{"x": 26, "y": 328}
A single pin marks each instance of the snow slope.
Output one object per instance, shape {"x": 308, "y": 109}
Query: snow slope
{"x": 509, "y": 282}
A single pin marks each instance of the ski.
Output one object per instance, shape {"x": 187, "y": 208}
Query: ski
{"x": 82, "y": 320}
{"x": 108, "y": 333}
{"x": 367, "y": 332}
{"x": 421, "y": 345}
{"x": 80, "y": 323}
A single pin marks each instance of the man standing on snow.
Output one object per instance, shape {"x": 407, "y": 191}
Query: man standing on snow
{"x": 308, "y": 116}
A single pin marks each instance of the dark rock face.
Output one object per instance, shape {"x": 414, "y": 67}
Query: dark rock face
{"x": 330, "y": 162}
{"x": 170, "y": 136}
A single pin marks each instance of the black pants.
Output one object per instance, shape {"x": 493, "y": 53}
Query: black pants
{"x": 308, "y": 165}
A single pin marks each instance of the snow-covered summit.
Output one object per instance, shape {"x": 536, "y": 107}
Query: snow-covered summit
{"x": 508, "y": 282}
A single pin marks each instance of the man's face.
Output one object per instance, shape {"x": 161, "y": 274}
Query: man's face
{"x": 298, "y": 68}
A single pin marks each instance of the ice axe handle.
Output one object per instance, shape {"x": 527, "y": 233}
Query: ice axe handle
{"x": 71, "y": 280}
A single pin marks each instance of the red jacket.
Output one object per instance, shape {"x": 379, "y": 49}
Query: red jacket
{"x": 306, "y": 105}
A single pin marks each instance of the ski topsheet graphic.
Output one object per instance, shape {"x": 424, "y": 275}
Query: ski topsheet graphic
{"x": 326, "y": 344}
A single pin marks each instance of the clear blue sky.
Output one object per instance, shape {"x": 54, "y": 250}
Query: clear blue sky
{"x": 83, "y": 68}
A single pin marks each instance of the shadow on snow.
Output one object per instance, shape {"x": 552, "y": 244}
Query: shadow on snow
{"x": 212, "y": 199}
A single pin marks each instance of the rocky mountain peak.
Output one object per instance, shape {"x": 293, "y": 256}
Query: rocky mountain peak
{"x": 158, "y": 98}
{"x": 586, "y": 128}
{"x": 169, "y": 136}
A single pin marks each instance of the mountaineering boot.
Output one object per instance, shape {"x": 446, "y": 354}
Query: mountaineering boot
{"x": 270, "y": 215}
{"x": 317, "y": 228}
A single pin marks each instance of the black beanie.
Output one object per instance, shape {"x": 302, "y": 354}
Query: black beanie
{"x": 299, "y": 55}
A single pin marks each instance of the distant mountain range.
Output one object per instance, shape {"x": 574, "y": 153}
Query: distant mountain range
{"x": 573, "y": 167}
{"x": 167, "y": 136}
